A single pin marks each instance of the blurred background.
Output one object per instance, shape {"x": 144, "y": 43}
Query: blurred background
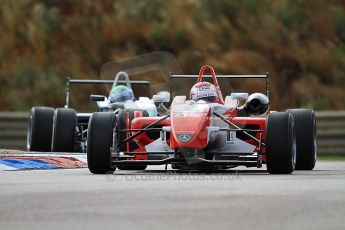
{"x": 301, "y": 43}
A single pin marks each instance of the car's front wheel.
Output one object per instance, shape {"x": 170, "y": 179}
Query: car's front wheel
{"x": 280, "y": 143}
{"x": 64, "y": 130}
{"x": 99, "y": 142}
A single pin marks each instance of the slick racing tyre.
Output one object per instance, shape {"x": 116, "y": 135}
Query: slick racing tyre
{"x": 280, "y": 143}
{"x": 305, "y": 127}
{"x": 64, "y": 130}
{"x": 39, "y": 134}
{"x": 99, "y": 141}
{"x": 125, "y": 118}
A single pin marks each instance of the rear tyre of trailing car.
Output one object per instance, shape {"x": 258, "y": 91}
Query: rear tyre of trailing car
{"x": 40, "y": 125}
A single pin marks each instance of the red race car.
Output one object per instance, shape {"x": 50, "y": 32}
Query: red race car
{"x": 204, "y": 132}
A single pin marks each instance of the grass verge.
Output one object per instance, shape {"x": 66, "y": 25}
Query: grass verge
{"x": 331, "y": 158}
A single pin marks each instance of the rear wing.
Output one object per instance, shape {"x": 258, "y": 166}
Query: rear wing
{"x": 220, "y": 76}
{"x": 70, "y": 82}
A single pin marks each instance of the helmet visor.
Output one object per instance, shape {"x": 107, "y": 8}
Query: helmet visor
{"x": 209, "y": 99}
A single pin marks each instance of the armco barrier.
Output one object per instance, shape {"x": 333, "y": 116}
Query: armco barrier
{"x": 13, "y": 128}
{"x": 331, "y": 131}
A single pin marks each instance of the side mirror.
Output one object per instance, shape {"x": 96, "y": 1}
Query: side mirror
{"x": 97, "y": 97}
{"x": 161, "y": 97}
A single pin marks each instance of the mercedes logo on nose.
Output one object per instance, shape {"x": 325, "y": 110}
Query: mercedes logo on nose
{"x": 184, "y": 137}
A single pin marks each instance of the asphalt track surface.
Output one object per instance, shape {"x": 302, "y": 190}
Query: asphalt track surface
{"x": 156, "y": 199}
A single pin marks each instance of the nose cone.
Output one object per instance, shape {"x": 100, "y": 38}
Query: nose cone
{"x": 188, "y": 126}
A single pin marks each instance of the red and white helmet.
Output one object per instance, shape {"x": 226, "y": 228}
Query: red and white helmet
{"x": 204, "y": 91}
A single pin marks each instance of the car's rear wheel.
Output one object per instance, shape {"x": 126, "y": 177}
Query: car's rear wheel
{"x": 280, "y": 143}
{"x": 39, "y": 135}
{"x": 125, "y": 118}
{"x": 305, "y": 126}
{"x": 64, "y": 130}
{"x": 99, "y": 141}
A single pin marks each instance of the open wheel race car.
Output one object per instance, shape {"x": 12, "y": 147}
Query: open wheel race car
{"x": 65, "y": 130}
{"x": 205, "y": 132}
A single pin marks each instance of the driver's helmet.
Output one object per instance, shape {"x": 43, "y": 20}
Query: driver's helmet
{"x": 120, "y": 93}
{"x": 204, "y": 91}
